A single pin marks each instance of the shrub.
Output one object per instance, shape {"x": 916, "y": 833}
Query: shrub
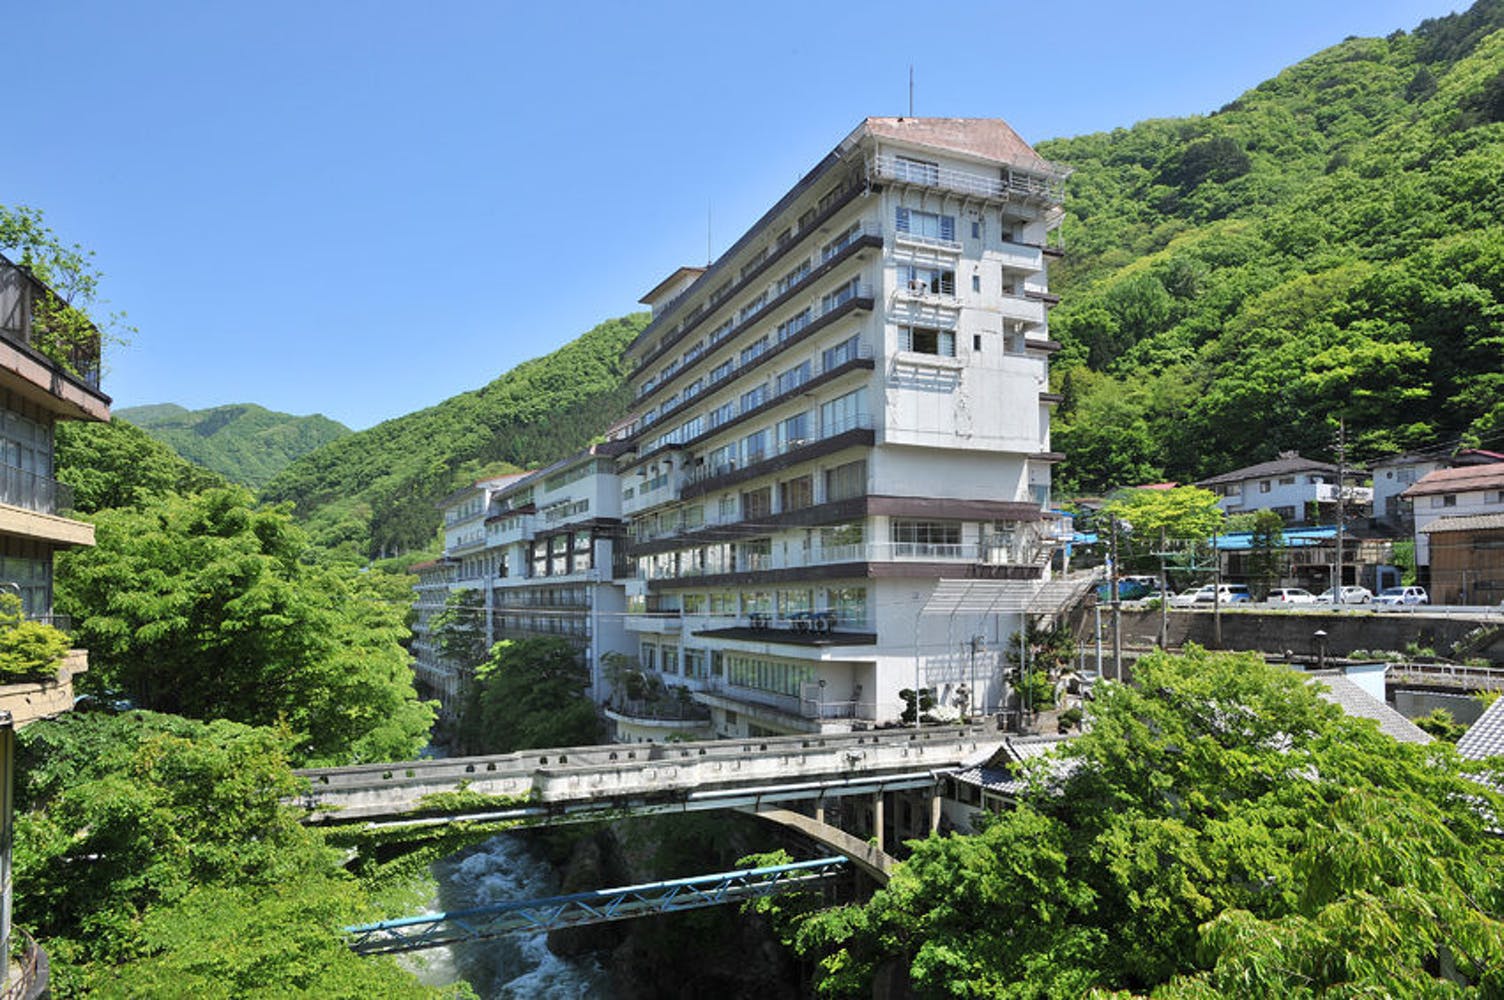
{"x": 29, "y": 651}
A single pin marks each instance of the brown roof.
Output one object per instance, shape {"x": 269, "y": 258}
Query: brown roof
{"x": 989, "y": 138}
{"x": 1466, "y": 479}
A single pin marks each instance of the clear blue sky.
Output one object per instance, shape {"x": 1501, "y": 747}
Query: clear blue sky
{"x": 361, "y": 209}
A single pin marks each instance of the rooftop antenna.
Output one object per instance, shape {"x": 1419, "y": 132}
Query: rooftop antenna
{"x": 911, "y": 90}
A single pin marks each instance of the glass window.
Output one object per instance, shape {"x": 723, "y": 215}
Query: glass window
{"x": 796, "y": 493}
{"x": 925, "y": 340}
{"x": 793, "y": 432}
{"x": 694, "y": 604}
{"x": 928, "y": 227}
{"x": 757, "y": 503}
{"x": 793, "y": 378}
{"x": 755, "y": 447}
{"x": 834, "y": 357}
{"x": 793, "y": 278}
{"x": 840, "y": 296}
{"x": 928, "y": 280}
{"x": 846, "y": 481}
{"x": 793, "y": 325}
{"x": 723, "y": 603}
{"x": 843, "y": 413}
{"x": 792, "y": 602}
{"x": 753, "y": 398}
{"x": 755, "y": 350}
{"x": 848, "y": 604}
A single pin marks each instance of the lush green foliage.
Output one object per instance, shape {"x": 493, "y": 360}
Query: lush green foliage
{"x": 1327, "y": 245}
{"x": 29, "y": 651}
{"x": 61, "y": 325}
{"x": 530, "y": 693}
{"x": 459, "y": 631}
{"x": 1219, "y": 830}
{"x": 118, "y": 465}
{"x": 245, "y": 443}
{"x": 373, "y": 493}
{"x": 155, "y": 858}
{"x": 200, "y": 605}
{"x": 1185, "y": 512}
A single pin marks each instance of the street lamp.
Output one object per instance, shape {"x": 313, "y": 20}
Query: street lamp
{"x": 1318, "y": 641}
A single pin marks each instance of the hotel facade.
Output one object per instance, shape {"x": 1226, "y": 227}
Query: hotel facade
{"x": 844, "y": 415}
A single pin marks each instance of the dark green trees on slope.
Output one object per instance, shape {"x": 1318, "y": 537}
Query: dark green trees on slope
{"x": 202, "y": 606}
{"x": 373, "y": 493}
{"x": 1329, "y": 245}
{"x": 245, "y": 443}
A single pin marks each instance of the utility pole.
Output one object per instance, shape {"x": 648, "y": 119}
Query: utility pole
{"x": 1164, "y": 594}
{"x": 1117, "y": 610}
{"x": 1341, "y": 510}
{"x": 1217, "y": 595}
{"x": 976, "y": 645}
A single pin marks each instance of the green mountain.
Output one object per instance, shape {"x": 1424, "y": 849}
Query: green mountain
{"x": 373, "y": 492}
{"x": 1328, "y": 247}
{"x": 243, "y": 442}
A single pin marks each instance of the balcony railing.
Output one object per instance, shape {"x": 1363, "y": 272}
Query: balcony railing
{"x": 857, "y": 421}
{"x": 1018, "y": 550}
{"x": 20, "y": 488}
{"x": 1026, "y": 185}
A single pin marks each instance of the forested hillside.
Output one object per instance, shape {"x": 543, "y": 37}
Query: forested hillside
{"x": 245, "y": 443}
{"x": 1329, "y": 245}
{"x": 373, "y": 493}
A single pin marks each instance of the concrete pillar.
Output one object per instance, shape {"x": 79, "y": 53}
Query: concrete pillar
{"x": 934, "y": 811}
{"x": 820, "y": 810}
{"x": 877, "y": 821}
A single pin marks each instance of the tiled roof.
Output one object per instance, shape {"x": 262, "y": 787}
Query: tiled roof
{"x": 994, "y": 770}
{"x": 1279, "y": 467}
{"x": 989, "y": 138}
{"x": 1466, "y": 479}
{"x": 1465, "y": 522}
{"x": 1484, "y": 738}
{"x": 1353, "y": 700}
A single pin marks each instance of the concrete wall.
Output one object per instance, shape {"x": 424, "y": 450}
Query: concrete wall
{"x": 1278, "y": 632}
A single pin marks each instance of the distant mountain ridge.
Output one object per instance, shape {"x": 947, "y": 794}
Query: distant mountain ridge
{"x": 243, "y": 442}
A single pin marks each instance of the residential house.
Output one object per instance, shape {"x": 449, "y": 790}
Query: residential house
{"x": 1457, "y": 517}
{"x": 1396, "y": 473}
{"x": 1300, "y": 490}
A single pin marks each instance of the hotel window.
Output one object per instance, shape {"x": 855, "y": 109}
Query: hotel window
{"x": 648, "y": 653}
{"x": 721, "y": 414}
{"x": 793, "y": 378}
{"x": 925, "y": 340}
{"x": 793, "y": 602}
{"x": 754, "y": 350}
{"x": 581, "y": 560}
{"x": 846, "y": 481}
{"x": 848, "y": 604}
{"x": 719, "y": 333}
{"x": 723, "y": 603}
{"x": 833, "y": 357}
{"x": 691, "y": 428}
{"x": 670, "y": 659}
{"x": 755, "y": 447}
{"x": 1445, "y": 500}
{"x": 792, "y": 325}
{"x": 976, "y": 229}
{"x": 976, "y": 282}
{"x": 694, "y": 604}
{"x": 927, "y": 280}
{"x": 694, "y": 662}
{"x": 794, "y": 494}
{"x": 926, "y": 533}
{"x": 793, "y": 278}
{"x": 754, "y": 307}
{"x": 721, "y": 371}
{"x": 837, "y": 536}
{"x": 928, "y": 226}
{"x": 754, "y": 397}
{"x": 721, "y": 459}
{"x": 843, "y": 413}
{"x": 757, "y": 504}
{"x": 726, "y": 508}
{"x": 757, "y": 601}
{"x": 693, "y": 389}
{"x": 794, "y": 431}
{"x": 842, "y": 295}
{"x": 840, "y": 243}
{"x": 1014, "y": 342}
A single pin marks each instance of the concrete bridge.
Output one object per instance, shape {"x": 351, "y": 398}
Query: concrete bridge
{"x": 575, "y": 784}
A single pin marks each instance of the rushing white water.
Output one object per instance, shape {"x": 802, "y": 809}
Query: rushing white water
{"x": 516, "y": 966}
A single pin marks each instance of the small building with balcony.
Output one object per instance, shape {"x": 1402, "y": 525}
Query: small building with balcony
{"x": 1302, "y": 491}
{"x": 846, "y": 408}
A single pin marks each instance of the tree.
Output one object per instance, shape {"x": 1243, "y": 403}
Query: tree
{"x": 155, "y": 857}
{"x": 61, "y": 327}
{"x": 29, "y": 650}
{"x": 200, "y": 605}
{"x": 1218, "y": 830}
{"x": 1266, "y": 550}
{"x": 530, "y": 693}
{"x": 1184, "y": 513}
{"x": 119, "y": 465}
{"x": 459, "y": 630}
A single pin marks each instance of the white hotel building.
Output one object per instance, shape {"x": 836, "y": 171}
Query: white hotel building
{"x": 539, "y": 550}
{"x": 848, "y": 407}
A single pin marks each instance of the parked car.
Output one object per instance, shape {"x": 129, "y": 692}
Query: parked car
{"x": 1393, "y": 596}
{"x": 1291, "y": 595}
{"x": 1186, "y": 598}
{"x": 1232, "y": 593}
{"x": 1130, "y": 588}
{"x": 1350, "y": 595}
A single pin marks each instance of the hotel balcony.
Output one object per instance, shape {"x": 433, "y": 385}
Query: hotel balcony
{"x": 1020, "y": 551}
{"x": 1022, "y": 257}
{"x": 855, "y": 431}
{"x": 1010, "y": 186}
{"x": 1025, "y": 310}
